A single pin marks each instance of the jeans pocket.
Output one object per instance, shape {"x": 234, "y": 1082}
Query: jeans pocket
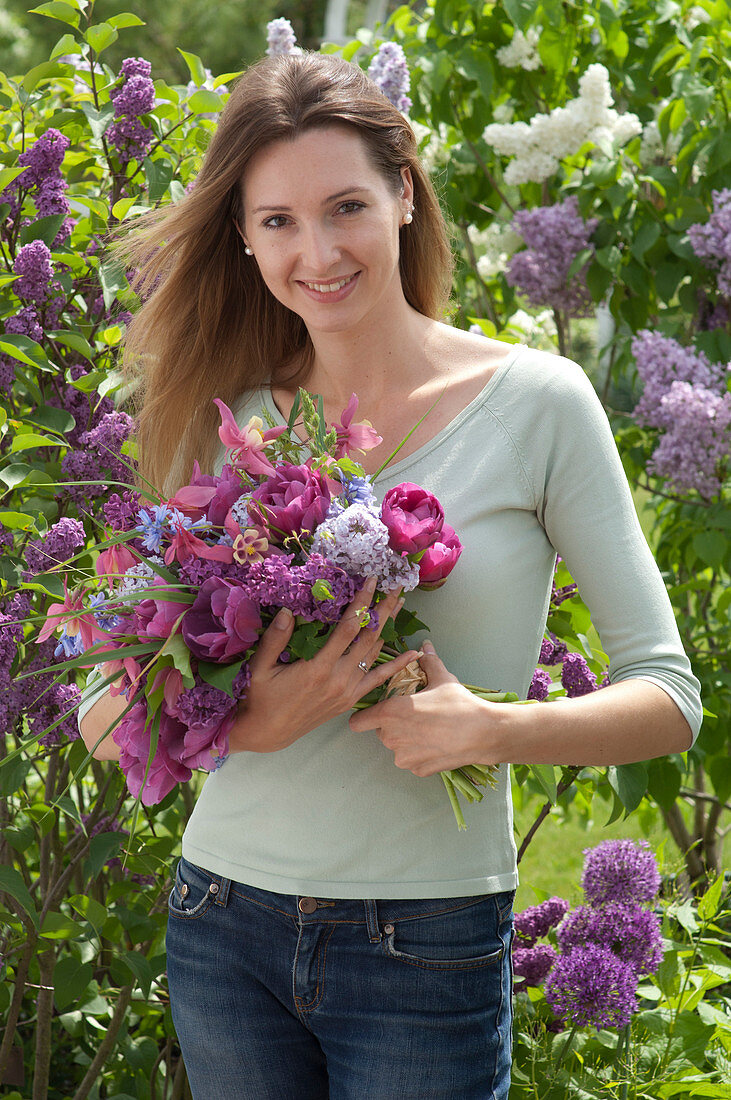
{"x": 193, "y": 893}
{"x": 454, "y": 935}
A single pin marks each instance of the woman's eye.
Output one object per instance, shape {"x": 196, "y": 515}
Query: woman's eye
{"x": 277, "y": 221}
{"x": 350, "y": 207}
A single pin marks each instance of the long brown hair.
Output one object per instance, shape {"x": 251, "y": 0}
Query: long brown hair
{"x": 208, "y": 326}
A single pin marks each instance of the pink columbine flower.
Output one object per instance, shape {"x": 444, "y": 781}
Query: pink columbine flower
{"x": 185, "y": 543}
{"x": 354, "y": 437}
{"x": 115, "y": 561}
{"x": 250, "y": 546}
{"x": 246, "y": 444}
{"x": 71, "y": 615}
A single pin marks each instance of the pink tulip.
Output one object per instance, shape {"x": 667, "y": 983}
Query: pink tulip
{"x": 440, "y": 559}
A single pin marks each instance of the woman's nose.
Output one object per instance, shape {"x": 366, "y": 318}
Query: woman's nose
{"x": 319, "y": 249}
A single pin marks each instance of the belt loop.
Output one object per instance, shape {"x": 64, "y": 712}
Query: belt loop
{"x": 371, "y": 915}
{"x": 224, "y": 885}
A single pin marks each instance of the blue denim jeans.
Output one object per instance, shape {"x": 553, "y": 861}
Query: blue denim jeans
{"x": 279, "y": 997}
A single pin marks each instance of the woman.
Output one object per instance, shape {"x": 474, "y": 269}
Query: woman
{"x": 331, "y": 933}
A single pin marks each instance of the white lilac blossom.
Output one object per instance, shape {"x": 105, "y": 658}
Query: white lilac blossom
{"x": 539, "y": 146}
{"x": 357, "y": 540}
{"x": 434, "y": 148}
{"x": 521, "y": 52}
{"x": 281, "y": 38}
{"x": 494, "y": 246}
{"x": 138, "y": 577}
{"x": 390, "y": 71}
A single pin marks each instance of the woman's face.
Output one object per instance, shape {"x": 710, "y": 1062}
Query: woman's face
{"x": 323, "y": 224}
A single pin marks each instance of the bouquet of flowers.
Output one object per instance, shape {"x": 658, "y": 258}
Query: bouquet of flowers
{"x": 185, "y": 587}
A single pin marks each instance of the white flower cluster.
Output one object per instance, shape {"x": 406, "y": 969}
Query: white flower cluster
{"x": 493, "y": 246}
{"x": 538, "y": 330}
{"x": 357, "y": 540}
{"x": 521, "y": 53}
{"x": 435, "y": 153}
{"x": 138, "y": 577}
{"x": 539, "y": 145}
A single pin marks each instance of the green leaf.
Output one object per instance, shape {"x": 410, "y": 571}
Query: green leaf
{"x": 70, "y": 979}
{"x": 67, "y": 44}
{"x": 711, "y": 547}
{"x": 98, "y": 120}
{"x": 58, "y": 10}
{"x": 100, "y": 36}
{"x": 45, "y": 71}
{"x": 220, "y": 676}
{"x": 694, "y": 1035}
{"x": 205, "y": 102}
{"x": 176, "y": 648}
{"x": 629, "y": 781}
{"x": 7, "y": 175}
{"x": 20, "y": 347}
{"x": 17, "y": 521}
{"x": 73, "y": 340}
{"x": 58, "y": 926}
{"x": 195, "y": 67}
{"x": 645, "y": 238}
{"x": 710, "y": 903}
{"x": 113, "y": 278}
{"x": 101, "y": 849}
{"x": 664, "y": 781}
{"x": 520, "y": 12}
{"x": 11, "y": 882}
{"x": 90, "y": 909}
{"x": 141, "y": 969}
{"x": 546, "y": 776}
{"x": 32, "y": 440}
{"x": 125, "y": 19}
{"x": 719, "y": 771}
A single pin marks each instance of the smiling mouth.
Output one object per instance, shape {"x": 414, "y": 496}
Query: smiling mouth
{"x": 329, "y": 288}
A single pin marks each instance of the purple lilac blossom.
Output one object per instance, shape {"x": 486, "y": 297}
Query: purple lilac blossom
{"x": 533, "y": 963}
{"x": 620, "y": 871}
{"x": 204, "y": 707}
{"x": 33, "y": 265}
{"x": 591, "y": 987}
{"x": 42, "y": 162}
{"x": 87, "y": 409}
{"x": 661, "y": 361}
{"x": 281, "y": 38}
{"x": 553, "y": 651}
{"x": 576, "y": 676}
{"x": 693, "y": 453}
{"x": 540, "y": 685}
{"x": 56, "y": 546}
{"x": 390, "y": 71}
{"x": 537, "y": 920}
{"x": 99, "y": 451}
{"x": 555, "y": 235}
{"x": 630, "y": 931}
{"x": 275, "y": 582}
{"x": 712, "y": 241}
{"x": 61, "y": 700}
{"x": 25, "y": 323}
{"x": 131, "y": 138}
{"x": 120, "y": 510}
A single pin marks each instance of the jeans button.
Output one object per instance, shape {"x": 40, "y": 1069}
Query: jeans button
{"x": 388, "y": 929}
{"x": 307, "y": 905}
{"x": 213, "y": 888}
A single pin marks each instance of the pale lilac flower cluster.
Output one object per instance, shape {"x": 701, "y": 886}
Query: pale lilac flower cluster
{"x": 357, "y": 540}
{"x": 138, "y": 577}
{"x": 23, "y": 323}
{"x": 281, "y": 38}
{"x": 59, "y": 702}
{"x": 57, "y": 546}
{"x": 576, "y": 677}
{"x": 537, "y": 147}
{"x": 99, "y": 451}
{"x": 43, "y": 179}
{"x": 521, "y": 52}
{"x": 130, "y": 136}
{"x": 685, "y": 396}
{"x": 390, "y": 71}
{"x": 609, "y": 943}
{"x": 120, "y": 510}
{"x": 711, "y": 240}
{"x": 34, "y": 269}
{"x": 555, "y": 235}
{"x": 275, "y": 582}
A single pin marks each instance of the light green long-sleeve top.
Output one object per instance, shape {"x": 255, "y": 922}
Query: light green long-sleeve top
{"x": 527, "y": 470}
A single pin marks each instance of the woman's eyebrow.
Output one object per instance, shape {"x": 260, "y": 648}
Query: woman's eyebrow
{"x": 330, "y": 198}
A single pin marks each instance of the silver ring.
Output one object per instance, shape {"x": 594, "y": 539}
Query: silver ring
{"x": 362, "y": 666}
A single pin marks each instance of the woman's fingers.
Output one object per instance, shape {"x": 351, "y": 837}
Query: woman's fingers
{"x": 273, "y": 640}
{"x": 379, "y": 674}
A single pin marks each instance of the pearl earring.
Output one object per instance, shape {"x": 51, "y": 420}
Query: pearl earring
{"x": 408, "y": 216}
{"x": 249, "y": 251}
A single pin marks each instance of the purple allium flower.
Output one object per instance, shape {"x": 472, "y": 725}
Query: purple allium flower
{"x": 576, "y": 676}
{"x": 537, "y": 920}
{"x": 712, "y": 241}
{"x": 57, "y": 546}
{"x": 591, "y": 987}
{"x": 694, "y": 452}
{"x": 555, "y": 235}
{"x": 281, "y": 37}
{"x": 540, "y": 685}
{"x": 533, "y": 963}
{"x": 390, "y": 71}
{"x": 620, "y": 871}
{"x": 553, "y": 651}
{"x": 631, "y": 932}
{"x": 661, "y": 361}
{"x": 33, "y": 265}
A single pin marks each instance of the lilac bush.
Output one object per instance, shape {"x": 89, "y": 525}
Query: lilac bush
{"x": 554, "y": 235}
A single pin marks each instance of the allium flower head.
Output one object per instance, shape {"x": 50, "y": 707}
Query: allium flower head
{"x": 390, "y": 71}
{"x": 631, "y": 932}
{"x": 591, "y": 987}
{"x": 620, "y": 871}
{"x": 537, "y": 920}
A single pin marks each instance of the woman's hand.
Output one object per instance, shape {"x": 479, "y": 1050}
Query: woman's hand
{"x": 286, "y": 701}
{"x": 444, "y": 726}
